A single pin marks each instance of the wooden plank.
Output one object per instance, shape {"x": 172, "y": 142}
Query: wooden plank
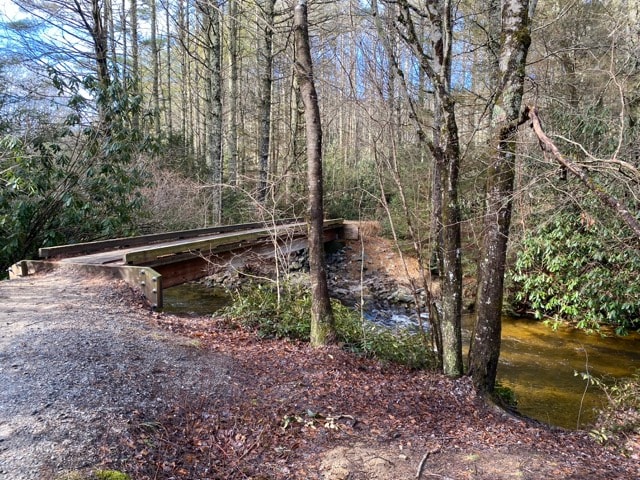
{"x": 127, "y": 242}
{"x": 204, "y": 246}
{"x": 351, "y": 230}
{"x": 145, "y": 279}
{"x": 184, "y": 271}
{"x": 102, "y": 258}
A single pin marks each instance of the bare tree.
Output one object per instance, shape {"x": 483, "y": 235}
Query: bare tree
{"x": 436, "y": 61}
{"x": 233, "y": 91}
{"x": 322, "y": 321}
{"x": 213, "y": 99}
{"x": 168, "y": 96}
{"x": 155, "y": 64}
{"x": 485, "y": 341}
{"x": 265, "y": 66}
{"x": 135, "y": 53}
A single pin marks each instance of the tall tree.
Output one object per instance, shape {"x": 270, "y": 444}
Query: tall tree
{"x": 155, "y": 63}
{"x": 435, "y": 58}
{"x": 485, "y": 343}
{"x": 185, "y": 109}
{"x": 265, "y": 66}
{"x": 213, "y": 98}
{"x": 135, "y": 53}
{"x": 94, "y": 24}
{"x": 322, "y": 321}
{"x": 167, "y": 97}
{"x": 234, "y": 59}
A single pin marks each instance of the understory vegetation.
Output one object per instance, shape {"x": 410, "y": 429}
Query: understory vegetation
{"x": 71, "y": 180}
{"x": 286, "y": 314}
{"x": 576, "y": 269}
{"x": 619, "y": 422}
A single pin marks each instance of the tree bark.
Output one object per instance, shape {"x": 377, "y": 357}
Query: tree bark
{"x": 155, "y": 89}
{"x": 265, "y": 62}
{"x": 445, "y": 147}
{"x": 185, "y": 72}
{"x": 485, "y": 342}
{"x": 448, "y": 158}
{"x": 167, "y": 98}
{"x": 233, "y": 92}
{"x": 322, "y": 321}
{"x": 96, "y": 29}
{"x": 213, "y": 99}
{"x": 135, "y": 57}
{"x": 109, "y": 21}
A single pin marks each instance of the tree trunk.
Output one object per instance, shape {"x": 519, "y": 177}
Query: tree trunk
{"x": 135, "y": 57}
{"x": 99, "y": 37}
{"x": 265, "y": 65}
{"x": 322, "y": 322}
{"x": 450, "y": 250}
{"x": 167, "y": 98}
{"x": 185, "y": 72}
{"x": 155, "y": 92}
{"x": 233, "y": 92}
{"x": 436, "y": 63}
{"x": 109, "y": 20}
{"x": 213, "y": 100}
{"x": 125, "y": 43}
{"x": 485, "y": 342}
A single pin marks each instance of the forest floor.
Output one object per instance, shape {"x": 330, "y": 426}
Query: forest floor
{"x": 91, "y": 379}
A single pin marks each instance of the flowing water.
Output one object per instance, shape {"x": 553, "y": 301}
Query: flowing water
{"x": 194, "y": 298}
{"x": 537, "y": 363}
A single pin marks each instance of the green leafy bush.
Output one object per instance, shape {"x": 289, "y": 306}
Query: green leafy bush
{"x": 570, "y": 270}
{"x": 619, "y": 420}
{"x": 74, "y": 179}
{"x": 288, "y": 315}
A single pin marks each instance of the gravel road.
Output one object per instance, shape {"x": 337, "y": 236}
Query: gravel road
{"x": 77, "y": 358}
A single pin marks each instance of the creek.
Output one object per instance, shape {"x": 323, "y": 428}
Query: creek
{"x": 194, "y": 298}
{"x": 537, "y": 363}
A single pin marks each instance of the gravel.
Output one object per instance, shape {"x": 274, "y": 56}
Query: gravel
{"x": 79, "y": 360}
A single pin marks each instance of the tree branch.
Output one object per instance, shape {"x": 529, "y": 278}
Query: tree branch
{"x": 607, "y": 199}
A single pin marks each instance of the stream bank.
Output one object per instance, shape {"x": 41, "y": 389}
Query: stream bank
{"x": 93, "y": 380}
{"x": 540, "y": 365}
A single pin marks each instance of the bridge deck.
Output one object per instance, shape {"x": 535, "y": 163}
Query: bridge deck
{"x": 204, "y": 244}
{"x": 154, "y": 262}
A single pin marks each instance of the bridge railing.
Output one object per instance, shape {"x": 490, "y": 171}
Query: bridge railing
{"x": 85, "y": 248}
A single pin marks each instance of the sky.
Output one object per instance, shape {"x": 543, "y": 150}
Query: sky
{"x": 10, "y": 10}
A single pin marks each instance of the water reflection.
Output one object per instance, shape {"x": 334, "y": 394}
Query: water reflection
{"x": 539, "y": 364}
{"x": 194, "y": 298}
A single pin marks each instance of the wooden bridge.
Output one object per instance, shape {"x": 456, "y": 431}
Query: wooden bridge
{"x": 154, "y": 262}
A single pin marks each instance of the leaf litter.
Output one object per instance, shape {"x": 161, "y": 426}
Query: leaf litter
{"x": 302, "y": 413}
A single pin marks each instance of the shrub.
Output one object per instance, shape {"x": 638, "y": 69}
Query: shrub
{"x": 569, "y": 270}
{"x": 619, "y": 422}
{"x": 75, "y": 180}
{"x": 288, "y": 315}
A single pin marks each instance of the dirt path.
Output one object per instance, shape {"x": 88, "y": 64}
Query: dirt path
{"x": 90, "y": 379}
{"x": 75, "y": 361}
